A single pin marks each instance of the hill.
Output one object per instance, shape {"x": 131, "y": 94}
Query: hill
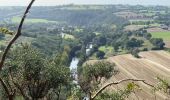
{"x": 73, "y": 15}
{"x": 151, "y": 65}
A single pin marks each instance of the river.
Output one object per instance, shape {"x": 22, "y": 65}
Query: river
{"x": 75, "y": 61}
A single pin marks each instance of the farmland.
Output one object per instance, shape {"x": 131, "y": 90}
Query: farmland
{"x": 164, "y": 35}
{"x": 151, "y": 65}
{"x": 31, "y": 20}
{"x": 160, "y": 33}
{"x": 133, "y": 27}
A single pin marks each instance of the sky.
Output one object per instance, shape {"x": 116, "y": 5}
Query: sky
{"x": 61, "y": 2}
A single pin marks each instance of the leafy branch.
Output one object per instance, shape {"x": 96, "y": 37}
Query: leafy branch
{"x": 162, "y": 85}
{"x": 11, "y": 42}
{"x": 6, "y": 31}
{"x": 16, "y": 36}
{"x": 118, "y": 82}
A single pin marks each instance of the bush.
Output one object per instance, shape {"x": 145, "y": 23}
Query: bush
{"x": 145, "y": 49}
{"x": 135, "y": 53}
{"x": 100, "y": 54}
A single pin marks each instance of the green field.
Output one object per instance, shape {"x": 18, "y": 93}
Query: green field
{"x": 108, "y": 50}
{"x": 163, "y": 35}
{"x": 31, "y": 20}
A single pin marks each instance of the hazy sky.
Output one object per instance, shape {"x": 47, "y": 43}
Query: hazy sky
{"x": 59, "y": 2}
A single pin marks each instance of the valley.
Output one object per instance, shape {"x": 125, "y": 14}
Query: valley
{"x": 70, "y": 51}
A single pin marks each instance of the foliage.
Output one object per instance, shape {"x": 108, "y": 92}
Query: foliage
{"x": 76, "y": 94}
{"x": 32, "y": 74}
{"x": 162, "y": 85}
{"x": 158, "y": 43}
{"x": 148, "y": 36}
{"x": 90, "y": 75}
{"x": 132, "y": 43}
{"x": 100, "y": 40}
{"x": 42, "y": 43}
{"x": 6, "y": 31}
{"x": 135, "y": 52}
{"x": 120, "y": 94}
{"x": 100, "y": 54}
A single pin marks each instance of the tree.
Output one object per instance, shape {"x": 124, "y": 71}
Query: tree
{"x": 11, "y": 93}
{"x": 33, "y": 75}
{"x": 147, "y": 36}
{"x": 135, "y": 52}
{"x": 100, "y": 54}
{"x": 90, "y": 76}
{"x": 132, "y": 43}
{"x": 116, "y": 46}
{"x": 63, "y": 57}
{"x": 158, "y": 43}
{"x": 100, "y": 40}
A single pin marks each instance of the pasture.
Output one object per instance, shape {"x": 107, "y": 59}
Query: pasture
{"x": 31, "y": 20}
{"x": 161, "y": 33}
{"x": 164, "y": 35}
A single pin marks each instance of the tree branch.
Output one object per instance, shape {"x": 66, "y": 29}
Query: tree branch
{"x": 16, "y": 36}
{"x": 114, "y": 83}
{"x": 17, "y": 85}
{"x": 4, "y": 86}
